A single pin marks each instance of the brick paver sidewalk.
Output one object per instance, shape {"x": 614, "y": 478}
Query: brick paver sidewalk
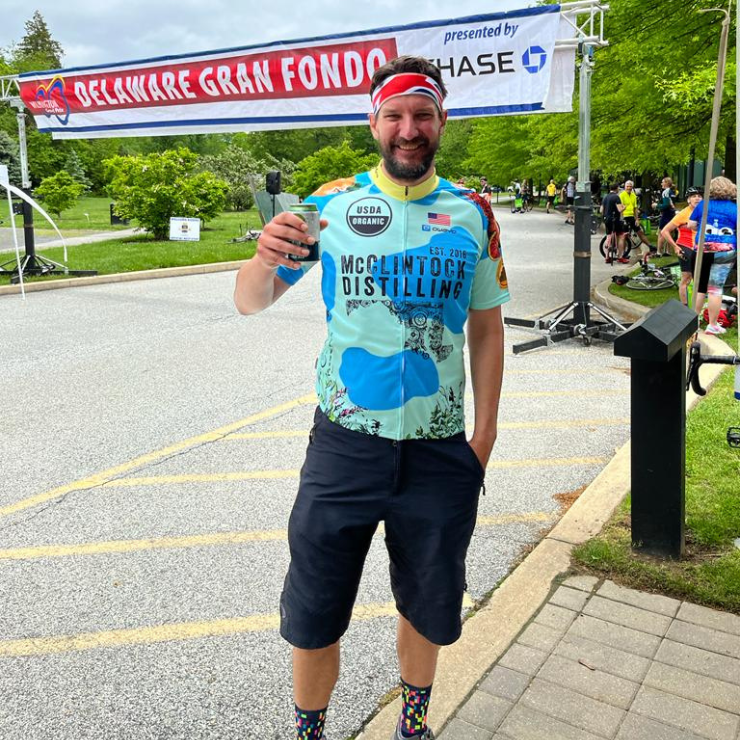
{"x": 602, "y": 661}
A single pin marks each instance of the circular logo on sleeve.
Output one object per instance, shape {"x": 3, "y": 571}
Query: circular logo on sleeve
{"x": 369, "y": 216}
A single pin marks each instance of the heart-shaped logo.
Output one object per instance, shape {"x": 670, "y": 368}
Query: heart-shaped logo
{"x": 53, "y": 101}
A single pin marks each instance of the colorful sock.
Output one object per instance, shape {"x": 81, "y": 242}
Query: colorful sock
{"x": 309, "y": 725}
{"x": 415, "y": 707}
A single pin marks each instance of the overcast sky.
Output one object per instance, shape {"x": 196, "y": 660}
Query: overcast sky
{"x": 95, "y": 32}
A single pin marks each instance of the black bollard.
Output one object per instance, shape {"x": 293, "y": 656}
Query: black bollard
{"x": 656, "y": 345}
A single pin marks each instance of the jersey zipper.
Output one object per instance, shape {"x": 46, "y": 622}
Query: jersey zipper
{"x": 404, "y": 238}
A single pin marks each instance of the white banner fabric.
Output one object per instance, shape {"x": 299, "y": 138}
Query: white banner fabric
{"x": 498, "y": 64}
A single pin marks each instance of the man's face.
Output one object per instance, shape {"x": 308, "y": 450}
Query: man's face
{"x": 408, "y": 129}
{"x": 628, "y": 186}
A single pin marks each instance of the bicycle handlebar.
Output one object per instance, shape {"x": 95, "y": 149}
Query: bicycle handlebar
{"x": 696, "y": 360}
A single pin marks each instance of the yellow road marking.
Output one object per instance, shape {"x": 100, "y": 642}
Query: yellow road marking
{"x": 212, "y": 540}
{"x": 163, "y": 633}
{"x": 202, "y": 478}
{"x": 545, "y": 424}
{"x": 159, "y": 480}
{"x": 106, "y": 475}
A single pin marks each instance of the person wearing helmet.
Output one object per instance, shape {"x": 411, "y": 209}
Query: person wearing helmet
{"x": 684, "y": 248}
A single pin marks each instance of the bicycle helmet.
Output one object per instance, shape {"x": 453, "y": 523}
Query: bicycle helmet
{"x": 693, "y": 191}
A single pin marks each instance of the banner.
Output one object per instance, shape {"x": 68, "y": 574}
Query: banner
{"x": 498, "y": 64}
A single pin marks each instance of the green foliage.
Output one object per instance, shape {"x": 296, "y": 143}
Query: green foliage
{"x": 10, "y": 156}
{"x": 73, "y": 165}
{"x": 59, "y": 192}
{"x": 330, "y": 163}
{"x": 453, "y": 150}
{"x": 37, "y": 50}
{"x": 154, "y": 188}
{"x": 238, "y": 168}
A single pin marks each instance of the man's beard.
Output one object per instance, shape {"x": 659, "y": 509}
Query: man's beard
{"x": 409, "y": 171}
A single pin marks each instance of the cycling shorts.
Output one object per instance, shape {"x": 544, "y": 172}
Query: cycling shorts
{"x": 632, "y": 224}
{"x": 615, "y": 226}
{"x": 425, "y": 491}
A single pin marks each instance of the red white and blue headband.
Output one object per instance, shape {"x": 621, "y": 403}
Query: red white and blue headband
{"x": 407, "y": 83}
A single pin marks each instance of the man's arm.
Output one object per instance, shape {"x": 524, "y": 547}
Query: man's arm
{"x": 486, "y": 343}
{"x": 257, "y": 285}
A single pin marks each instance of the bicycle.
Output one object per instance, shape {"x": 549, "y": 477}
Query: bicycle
{"x": 608, "y": 246}
{"x": 652, "y": 278}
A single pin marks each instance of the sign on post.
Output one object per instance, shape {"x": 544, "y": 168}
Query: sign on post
{"x": 184, "y": 229}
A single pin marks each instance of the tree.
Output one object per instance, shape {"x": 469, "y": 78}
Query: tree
{"x": 59, "y": 192}
{"x": 73, "y": 165}
{"x": 235, "y": 166}
{"x": 330, "y": 163}
{"x": 10, "y": 155}
{"x": 154, "y": 188}
{"x": 37, "y": 50}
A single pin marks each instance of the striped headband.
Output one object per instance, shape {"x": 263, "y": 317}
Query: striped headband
{"x": 407, "y": 83}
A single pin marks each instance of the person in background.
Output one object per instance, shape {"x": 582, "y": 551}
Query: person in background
{"x": 485, "y": 189}
{"x": 631, "y": 216}
{"x": 685, "y": 248}
{"x": 720, "y": 239}
{"x": 569, "y": 196}
{"x": 667, "y": 212}
{"x": 552, "y": 190}
{"x": 611, "y": 208}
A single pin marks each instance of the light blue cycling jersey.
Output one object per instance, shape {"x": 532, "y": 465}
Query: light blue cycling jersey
{"x": 401, "y": 266}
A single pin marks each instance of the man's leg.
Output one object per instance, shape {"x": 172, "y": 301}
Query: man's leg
{"x": 417, "y": 656}
{"x": 315, "y": 673}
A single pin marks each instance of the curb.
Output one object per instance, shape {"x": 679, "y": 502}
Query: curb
{"x": 522, "y": 593}
{"x": 124, "y": 277}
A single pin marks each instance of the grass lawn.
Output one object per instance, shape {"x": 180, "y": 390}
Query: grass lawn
{"x": 88, "y": 214}
{"x": 710, "y": 572}
{"x": 142, "y": 252}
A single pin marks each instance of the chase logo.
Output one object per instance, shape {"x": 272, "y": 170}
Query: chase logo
{"x": 534, "y": 59}
{"x": 52, "y": 100}
{"x": 369, "y": 216}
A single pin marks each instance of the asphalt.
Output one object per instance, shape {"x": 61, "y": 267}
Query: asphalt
{"x": 153, "y": 439}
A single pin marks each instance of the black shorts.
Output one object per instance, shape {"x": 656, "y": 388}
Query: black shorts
{"x": 632, "y": 224}
{"x": 615, "y": 227}
{"x": 687, "y": 261}
{"x": 569, "y": 200}
{"x": 551, "y": 199}
{"x": 665, "y": 218}
{"x": 426, "y": 492}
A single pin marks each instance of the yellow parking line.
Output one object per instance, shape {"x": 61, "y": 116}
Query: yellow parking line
{"x": 269, "y": 435}
{"x": 214, "y": 539}
{"x": 35, "y": 646}
{"x": 103, "y": 477}
{"x": 160, "y": 480}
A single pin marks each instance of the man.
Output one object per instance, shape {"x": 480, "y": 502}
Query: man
{"x": 552, "y": 189}
{"x": 611, "y": 208}
{"x": 684, "y": 247}
{"x": 485, "y": 189}
{"x": 569, "y": 193}
{"x": 406, "y": 258}
{"x": 667, "y": 212}
{"x": 631, "y": 216}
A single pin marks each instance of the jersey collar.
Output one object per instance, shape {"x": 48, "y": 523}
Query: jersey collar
{"x": 403, "y": 192}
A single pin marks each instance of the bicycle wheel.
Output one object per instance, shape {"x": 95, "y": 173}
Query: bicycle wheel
{"x": 642, "y": 282}
{"x": 602, "y": 246}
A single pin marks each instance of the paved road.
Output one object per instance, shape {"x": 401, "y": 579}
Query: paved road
{"x": 150, "y": 444}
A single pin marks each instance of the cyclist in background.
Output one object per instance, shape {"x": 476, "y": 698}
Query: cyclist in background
{"x": 611, "y": 208}
{"x": 631, "y": 216}
{"x": 667, "y": 212}
{"x": 569, "y": 196}
{"x": 684, "y": 247}
{"x": 552, "y": 190}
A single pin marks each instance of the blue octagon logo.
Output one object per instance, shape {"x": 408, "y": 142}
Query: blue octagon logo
{"x": 534, "y": 59}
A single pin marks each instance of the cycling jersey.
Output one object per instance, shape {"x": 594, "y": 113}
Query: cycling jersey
{"x": 721, "y": 225}
{"x": 685, "y": 234}
{"x": 551, "y": 190}
{"x": 629, "y": 201}
{"x": 401, "y": 266}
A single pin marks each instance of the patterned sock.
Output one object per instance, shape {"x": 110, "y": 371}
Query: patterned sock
{"x": 309, "y": 725}
{"x": 414, "y": 712}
